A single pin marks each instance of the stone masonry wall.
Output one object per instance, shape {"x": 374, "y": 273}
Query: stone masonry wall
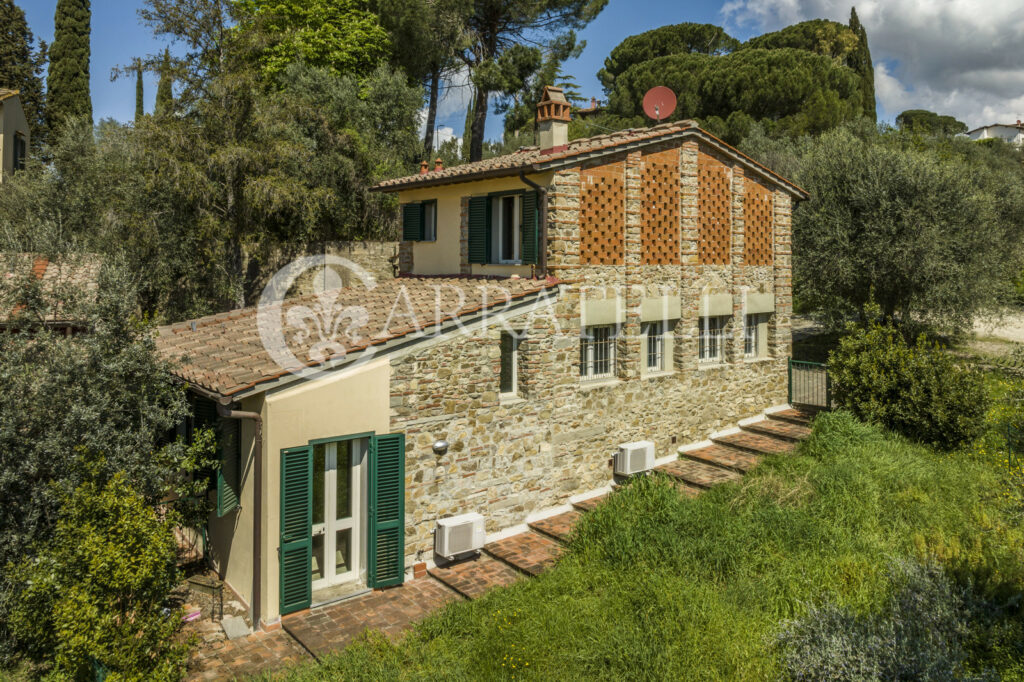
{"x": 510, "y": 458}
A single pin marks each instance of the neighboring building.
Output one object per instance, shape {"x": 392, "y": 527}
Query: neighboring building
{"x": 14, "y": 133}
{"x": 59, "y": 280}
{"x": 1012, "y": 133}
{"x": 553, "y": 303}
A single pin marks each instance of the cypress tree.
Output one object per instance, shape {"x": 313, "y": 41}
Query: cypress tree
{"x": 164, "y": 94}
{"x": 467, "y": 134}
{"x": 67, "y": 85}
{"x": 140, "y": 107}
{"x": 860, "y": 61}
{"x": 21, "y": 66}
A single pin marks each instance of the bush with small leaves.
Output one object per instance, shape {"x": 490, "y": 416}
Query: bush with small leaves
{"x": 917, "y": 390}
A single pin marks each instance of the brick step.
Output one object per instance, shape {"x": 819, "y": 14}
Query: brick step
{"x": 558, "y": 527}
{"x": 755, "y": 443}
{"x": 802, "y": 417}
{"x": 475, "y": 577}
{"x": 590, "y": 503}
{"x": 530, "y": 552}
{"x": 779, "y": 429}
{"x": 697, "y": 474}
{"x": 739, "y": 461}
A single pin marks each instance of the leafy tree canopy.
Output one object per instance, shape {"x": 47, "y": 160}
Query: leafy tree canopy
{"x": 343, "y": 36}
{"x": 683, "y": 38}
{"x": 793, "y": 90}
{"x": 820, "y": 36}
{"x": 929, "y": 123}
{"x": 67, "y": 84}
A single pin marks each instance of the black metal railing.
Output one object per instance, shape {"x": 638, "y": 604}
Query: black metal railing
{"x": 809, "y": 384}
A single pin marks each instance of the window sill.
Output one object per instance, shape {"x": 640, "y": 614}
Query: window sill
{"x": 588, "y": 384}
{"x": 760, "y": 358}
{"x": 705, "y": 366}
{"x": 658, "y": 375}
{"x": 510, "y": 399}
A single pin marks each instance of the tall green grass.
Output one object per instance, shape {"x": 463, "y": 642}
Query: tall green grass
{"x": 658, "y": 586}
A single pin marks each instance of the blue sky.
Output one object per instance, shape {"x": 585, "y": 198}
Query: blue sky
{"x": 952, "y": 56}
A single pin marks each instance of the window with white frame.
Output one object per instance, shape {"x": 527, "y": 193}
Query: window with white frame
{"x": 597, "y": 352}
{"x": 429, "y": 221}
{"x": 509, "y": 382}
{"x": 655, "y": 346}
{"x": 505, "y": 224}
{"x": 753, "y": 329}
{"x": 711, "y": 342}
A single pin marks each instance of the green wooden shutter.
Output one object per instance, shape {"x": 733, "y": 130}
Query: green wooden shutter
{"x": 204, "y": 416}
{"x": 412, "y": 222}
{"x": 387, "y": 510}
{"x": 479, "y": 229}
{"x": 528, "y": 230}
{"x": 230, "y": 466}
{"x": 296, "y": 528}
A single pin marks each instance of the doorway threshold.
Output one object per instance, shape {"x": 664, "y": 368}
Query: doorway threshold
{"x": 337, "y": 593}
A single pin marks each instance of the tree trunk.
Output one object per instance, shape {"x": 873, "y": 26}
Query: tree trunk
{"x": 476, "y": 148}
{"x": 428, "y": 138}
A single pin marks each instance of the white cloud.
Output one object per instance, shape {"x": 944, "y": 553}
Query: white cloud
{"x": 958, "y": 57}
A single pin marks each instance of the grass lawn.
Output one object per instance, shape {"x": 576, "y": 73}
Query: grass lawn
{"x": 658, "y": 586}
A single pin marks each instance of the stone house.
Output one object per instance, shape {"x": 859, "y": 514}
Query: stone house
{"x": 553, "y": 304}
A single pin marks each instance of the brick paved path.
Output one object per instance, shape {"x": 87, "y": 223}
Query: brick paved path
{"x": 319, "y": 631}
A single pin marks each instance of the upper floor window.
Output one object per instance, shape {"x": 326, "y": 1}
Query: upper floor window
{"x": 503, "y": 228}
{"x": 505, "y": 224}
{"x": 419, "y": 221}
{"x": 711, "y": 341}
{"x": 597, "y": 352}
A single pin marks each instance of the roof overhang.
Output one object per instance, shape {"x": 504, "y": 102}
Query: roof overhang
{"x": 561, "y": 162}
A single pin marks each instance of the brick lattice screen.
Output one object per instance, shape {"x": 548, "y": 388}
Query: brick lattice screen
{"x": 714, "y": 206}
{"x": 602, "y": 215}
{"x": 660, "y": 181}
{"x": 757, "y": 218}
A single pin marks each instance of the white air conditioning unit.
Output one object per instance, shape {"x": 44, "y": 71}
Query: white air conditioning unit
{"x": 634, "y": 458}
{"x": 459, "y": 535}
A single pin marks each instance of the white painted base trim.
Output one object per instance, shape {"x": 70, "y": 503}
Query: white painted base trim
{"x": 548, "y": 513}
{"x": 694, "y": 446}
{"x": 507, "y": 532}
{"x": 778, "y": 408}
{"x": 725, "y": 432}
{"x": 597, "y": 492}
{"x": 752, "y": 420}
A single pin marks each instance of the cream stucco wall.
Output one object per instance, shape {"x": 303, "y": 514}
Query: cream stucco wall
{"x": 231, "y": 535}
{"x": 443, "y": 256}
{"x": 352, "y": 401}
{"x": 12, "y": 122}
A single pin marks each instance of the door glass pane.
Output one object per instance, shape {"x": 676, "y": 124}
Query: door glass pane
{"x": 319, "y": 469}
{"x": 343, "y": 551}
{"x": 508, "y": 212}
{"x": 318, "y": 556}
{"x": 343, "y": 480}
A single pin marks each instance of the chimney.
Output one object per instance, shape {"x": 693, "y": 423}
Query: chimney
{"x": 423, "y": 167}
{"x": 438, "y": 165}
{"x": 593, "y": 103}
{"x": 553, "y": 121}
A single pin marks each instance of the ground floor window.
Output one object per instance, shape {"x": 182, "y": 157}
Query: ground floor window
{"x": 337, "y": 496}
{"x": 597, "y": 352}
{"x": 754, "y": 328}
{"x": 711, "y": 343}
{"x": 654, "y": 332}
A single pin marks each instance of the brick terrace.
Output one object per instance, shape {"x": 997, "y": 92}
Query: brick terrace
{"x": 311, "y": 634}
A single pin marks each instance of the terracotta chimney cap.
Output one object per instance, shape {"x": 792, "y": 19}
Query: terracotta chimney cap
{"x": 423, "y": 167}
{"x": 438, "y": 164}
{"x": 552, "y": 105}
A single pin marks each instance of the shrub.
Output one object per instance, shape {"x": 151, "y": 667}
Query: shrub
{"x": 916, "y": 390}
{"x": 919, "y": 634}
{"x": 95, "y": 596}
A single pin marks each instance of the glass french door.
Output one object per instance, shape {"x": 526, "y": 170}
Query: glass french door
{"x": 337, "y": 492}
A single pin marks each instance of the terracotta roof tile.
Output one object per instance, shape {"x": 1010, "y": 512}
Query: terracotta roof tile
{"x": 76, "y": 272}
{"x": 225, "y": 353}
{"x": 530, "y": 159}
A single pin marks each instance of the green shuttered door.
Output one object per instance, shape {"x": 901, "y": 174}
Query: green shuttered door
{"x": 412, "y": 222}
{"x": 387, "y": 510}
{"x": 479, "y": 229}
{"x": 528, "y": 230}
{"x": 296, "y": 528}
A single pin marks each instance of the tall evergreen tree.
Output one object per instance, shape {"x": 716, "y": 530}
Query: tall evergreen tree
{"x": 21, "y": 66}
{"x": 140, "y": 107}
{"x": 67, "y": 85}
{"x": 164, "y": 93}
{"x": 860, "y": 61}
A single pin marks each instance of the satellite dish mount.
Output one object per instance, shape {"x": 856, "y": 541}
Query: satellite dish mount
{"x": 659, "y": 103}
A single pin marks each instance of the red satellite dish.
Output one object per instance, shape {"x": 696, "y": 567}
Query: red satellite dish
{"x": 659, "y": 103}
